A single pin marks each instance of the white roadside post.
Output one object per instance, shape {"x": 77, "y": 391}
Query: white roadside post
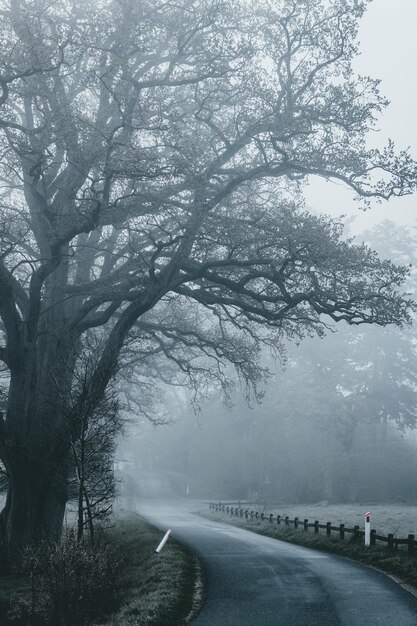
{"x": 163, "y": 542}
{"x": 367, "y": 529}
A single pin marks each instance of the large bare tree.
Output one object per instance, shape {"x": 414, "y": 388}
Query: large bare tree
{"x": 153, "y": 155}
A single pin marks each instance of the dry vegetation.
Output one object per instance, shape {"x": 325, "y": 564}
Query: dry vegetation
{"x": 152, "y": 590}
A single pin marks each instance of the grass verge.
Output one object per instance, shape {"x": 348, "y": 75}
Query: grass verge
{"x": 153, "y": 589}
{"x": 157, "y": 589}
{"x": 397, "y": 563}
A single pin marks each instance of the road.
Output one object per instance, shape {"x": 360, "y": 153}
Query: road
{"x": 254, "y": 580}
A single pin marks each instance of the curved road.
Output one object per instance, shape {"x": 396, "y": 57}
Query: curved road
{"x": 254, "y": 580}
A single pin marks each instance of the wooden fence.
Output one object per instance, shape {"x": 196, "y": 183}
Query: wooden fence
{"x": 271, "y": 518}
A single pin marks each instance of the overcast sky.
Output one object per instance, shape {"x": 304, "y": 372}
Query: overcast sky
{"x": 389, "y": 52}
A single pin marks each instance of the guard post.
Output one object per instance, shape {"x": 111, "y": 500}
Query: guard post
{"x": 367, "y": 529}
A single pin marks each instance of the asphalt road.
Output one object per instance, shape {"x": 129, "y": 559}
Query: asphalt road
{"x": 254, "y": 580}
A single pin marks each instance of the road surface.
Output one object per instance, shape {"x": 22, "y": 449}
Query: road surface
{"x": 253, "y": 580}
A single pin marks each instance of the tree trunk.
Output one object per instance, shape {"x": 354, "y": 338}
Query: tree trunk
{"x": 36, "y": 446}
{"x": 80, "y": 522}
{"x": 37, "y": 498}
{"x": 89, "y": 516}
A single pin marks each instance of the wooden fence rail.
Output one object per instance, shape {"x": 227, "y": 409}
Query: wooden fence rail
{"x": 391, "y": 541}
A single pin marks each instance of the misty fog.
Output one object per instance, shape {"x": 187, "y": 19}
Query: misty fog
{"x": 334, "y": 421}
{"x": 336, "y": 416}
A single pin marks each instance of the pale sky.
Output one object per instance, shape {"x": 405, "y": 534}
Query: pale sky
{"x": 388, "y": 37}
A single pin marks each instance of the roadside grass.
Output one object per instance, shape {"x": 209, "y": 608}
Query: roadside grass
{"x": 156, "y": 589}
{"x": 153, "y": 589}
{"x": 396, "y": 563}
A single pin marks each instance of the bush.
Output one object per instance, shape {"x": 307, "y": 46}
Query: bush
{"x": 71, "y": 581}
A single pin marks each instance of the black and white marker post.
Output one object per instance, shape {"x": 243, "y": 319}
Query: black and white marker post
{"x": 163, "y": 542}
{"x": 367, "y": 529}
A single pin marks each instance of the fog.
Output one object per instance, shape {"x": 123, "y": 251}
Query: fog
{"x": 334, "y": 421}
{"x": 388, "y": 49}
{"x": 337, "y": 414}
{"x": 326, "y": 429}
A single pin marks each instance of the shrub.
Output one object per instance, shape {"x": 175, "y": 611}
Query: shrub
{"x": 71, "y": 581}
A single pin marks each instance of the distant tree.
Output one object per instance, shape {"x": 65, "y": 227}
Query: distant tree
{"x": 159, "y": 153}
{"x": 325, "y": 430}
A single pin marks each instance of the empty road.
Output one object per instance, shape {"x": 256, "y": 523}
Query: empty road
{"x": 254, "y": 580}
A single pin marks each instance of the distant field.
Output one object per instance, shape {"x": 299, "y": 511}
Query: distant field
{"x": 399, "y": 519}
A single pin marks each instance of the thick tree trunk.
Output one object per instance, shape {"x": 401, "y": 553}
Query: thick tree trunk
{"x": 36, "y": 505}
{"x": 36, "y": 450}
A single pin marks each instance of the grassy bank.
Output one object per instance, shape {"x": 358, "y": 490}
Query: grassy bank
{"x": 157, "y": 589}
{"x": 152, "y": 590}
{"x": 396, "y": 563}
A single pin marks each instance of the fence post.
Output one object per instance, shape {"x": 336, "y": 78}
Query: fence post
{"x": 278, "y": 520}
{"x": 271, "y": 518}
{"x": 356, "y": 532}
{"x": 306, "y": 524}
{"x": 373, "y": 538}
{"x": 227, "y": 509}
{"x": 295, "y": 522}
{"x": 410, "y": 545}
{"x": 257, "y": 514}
{"x": 342, "y": 531}
{"x": 262, "y": 516}
{"x": 241, "y": 512}
{"x": 328, "y": 529}
{"x": 390, "y": 541}
{"x": 316, "y": 526}
{"x": 287, "y": 520}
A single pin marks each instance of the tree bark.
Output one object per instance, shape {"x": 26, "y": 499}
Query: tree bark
{"x": 36, "y": 453}
{"x": 37, "y": 497}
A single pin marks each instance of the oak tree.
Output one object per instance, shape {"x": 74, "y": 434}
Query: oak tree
{"x": 155, "y": 152}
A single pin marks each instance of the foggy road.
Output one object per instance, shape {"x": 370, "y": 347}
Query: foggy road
{"x": 254, "y": 580}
